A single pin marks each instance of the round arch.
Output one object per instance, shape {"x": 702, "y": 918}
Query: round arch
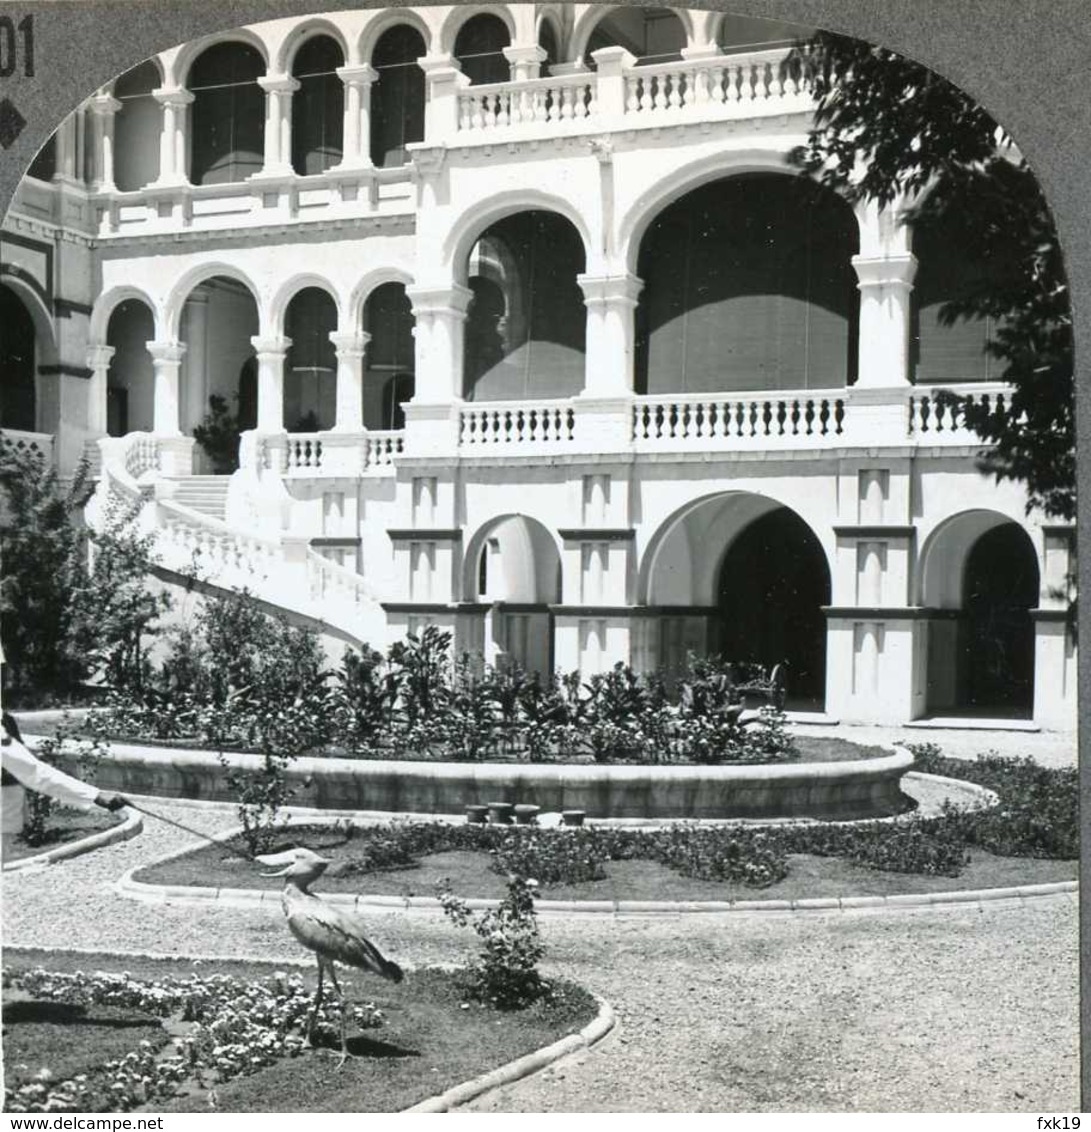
{"x": 469, "y": 227}
{"x": 176, "y": 299}
{"x": 190, "y": 52}
{"x": 109, "y": 300}
{"x": 361, "y": 292}
{"x": 284, "y": 58}
{"x": 461, "y": 15}
{"x": 594, "y": 15}
{"x": 288, "y": 290}
{"x": 644, "y": 210}
{"x": 532, "y": 572}
{"x": 45, "y": 338}
{"x": 19, "y": 395}
{"x": 385, "y": 22}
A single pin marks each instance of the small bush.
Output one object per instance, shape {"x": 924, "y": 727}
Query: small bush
{"x": 506, "y": 972}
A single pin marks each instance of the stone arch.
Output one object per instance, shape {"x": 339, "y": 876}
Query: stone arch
{"x": 468, "y": 228}
{"x": 189, "y": 52}
{"x": 289, "y": 289}
{"x": 106, "y": 303}
{"x": 533, "y": 577}
{"x": 128, "y": 326}
{"x": 284, "y": 58}
{"x": 20, "y": 399}
{"x": 391, "y": 19}
{"x": 44, "y": 332}
{"x": 176, "y": 299}
{"x": 460, "y": 15}
{"x": 595, "y": 14}
{"x": 361, "y": 292}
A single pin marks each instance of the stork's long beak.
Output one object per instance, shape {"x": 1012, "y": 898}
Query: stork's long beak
{"x": 287, "y": 859}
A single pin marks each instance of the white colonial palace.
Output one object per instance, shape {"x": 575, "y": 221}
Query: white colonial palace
{"x": 532, "y": 333}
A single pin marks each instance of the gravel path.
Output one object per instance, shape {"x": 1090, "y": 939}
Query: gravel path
{"x": 970, "y": 1008}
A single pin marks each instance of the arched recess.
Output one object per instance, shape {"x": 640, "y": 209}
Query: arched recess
{"x": 130, "y": 380}
{"x": 227, "y": 134}
{"x": 219, "y": 317}
{"x": 137, "y": 127}
{"x": 398, "y": 95}
{"x": 390, "y": 359}
{"x": 738, "y": 34}
{"x": 513, "y": 565}
{"x": 479, "y": 49}
{"x": 979, "y": 580}
{"x": 740, "y": 575}
{"x": 957, "y": 261}
{"x": 18, "y": 364}
{"x": 526, "y": 325}
{"x": 310, "y": 369}
{"x": 652, "y": 35}
{"x": 748, "y": 285}
{"x": 318, "y": 107}
{"x": 549, "y": 41}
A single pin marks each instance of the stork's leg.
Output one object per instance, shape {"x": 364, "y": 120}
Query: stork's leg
{"x": 341, "y": 996}
{"x": 317, "y": 1002}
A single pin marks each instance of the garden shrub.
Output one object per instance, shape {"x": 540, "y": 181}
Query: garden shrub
{"x": 505, "y": 974}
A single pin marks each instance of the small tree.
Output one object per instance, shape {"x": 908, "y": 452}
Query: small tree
{"x": 64, "y": 622}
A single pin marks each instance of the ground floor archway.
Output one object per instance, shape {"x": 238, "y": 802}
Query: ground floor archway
{"x": 18, "y": 367}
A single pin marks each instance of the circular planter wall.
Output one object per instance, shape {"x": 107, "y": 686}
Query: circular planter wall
{"x": 855, "y": 789}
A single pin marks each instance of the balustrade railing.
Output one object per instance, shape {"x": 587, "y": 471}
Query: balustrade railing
{"x": 380, "y": 448}
{"x": 738, "y": 420}
{"x": 546, "y": 101}
{"x": 21, "y": 441}
{"x": 304, "y": 452}
{"x": 506, "y": 423}
{"x": 933, "y": 415}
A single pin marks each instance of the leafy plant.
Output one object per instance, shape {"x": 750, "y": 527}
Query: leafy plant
{"x": 506, "y": 972}
{"x": 218, "y": 435}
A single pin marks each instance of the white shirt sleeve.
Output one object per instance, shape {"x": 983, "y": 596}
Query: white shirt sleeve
{"x": 45, "y": 779}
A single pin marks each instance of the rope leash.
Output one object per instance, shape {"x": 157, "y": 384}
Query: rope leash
{"x": 178, "y": 825}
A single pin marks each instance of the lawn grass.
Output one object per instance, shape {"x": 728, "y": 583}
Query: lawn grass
{"x": 64, "y": 825}
{"x": 431, "y": 1041}
{"x": 470, "y": 874}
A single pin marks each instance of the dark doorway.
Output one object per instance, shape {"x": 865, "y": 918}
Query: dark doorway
{"x": 773, "y": 584}
{"x": 996, "y": 648}
{"x": 17, "y": 379}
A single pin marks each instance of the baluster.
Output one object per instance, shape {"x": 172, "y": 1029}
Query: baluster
{"x": 823, "y": 417}
{"x": 655, "y": 92}
{"x": 796, "y": 417}
{"x": 788, "y": 81}
{"x": 567, "y": 109}
{"x": 676, "y": 81}
{"x": 587, "y": 99}
{"x": 839, "y": 415}
{"x": 632, "y": 94}
{"x": 465, "y": 112}
{"x": 698, "y": 92}
{"x": 539, "y": 104}
{"x": 776, "y": 87}
{"x": 808, "y": 416}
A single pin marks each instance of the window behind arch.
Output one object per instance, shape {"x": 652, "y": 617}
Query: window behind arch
{"x": 227, "y": 115}
{"x": 652, "y": 35}
{"x": 397, "y": 96}
{"x": 318, "y": 107}
{"x": 137, "y": 126}
{"x": 479, "y": 48}
{"x": 389, "y": 380}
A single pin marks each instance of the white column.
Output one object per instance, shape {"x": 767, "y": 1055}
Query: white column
{"x": 195, "y": 313}
{"x": 608, "y": 364}
{"x": 166, "y": 362}
{"x": 65, "y": 153}
{"x": 445, "y": 82}
{"x": 526, "y": 61}
{"x": 271, "y": 353}
{"x": 440, "y": 315}
{"x": 350, "y": 380}
{"x": 103, "y": 108}
{"x": 278, "y": 124}
{"x": 98, "y": 361}
{"x": 357, "y": 134}
{"x": 174, "y": 137}
{"x": 885, "y": 268}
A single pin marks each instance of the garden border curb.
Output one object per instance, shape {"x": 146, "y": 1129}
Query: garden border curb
{"x": 129, "y": 828}
{"x": 524, "y": 1066}
{"x": 590, "y": 1035}
{"x": 127, "y": 886}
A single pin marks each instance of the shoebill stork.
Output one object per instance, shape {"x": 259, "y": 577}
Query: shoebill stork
{"x": 333, "y": 935}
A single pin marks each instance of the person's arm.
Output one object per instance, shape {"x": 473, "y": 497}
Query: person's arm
{"x": 36, "y": 775}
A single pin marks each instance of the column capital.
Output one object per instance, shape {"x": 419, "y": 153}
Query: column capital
{"x": 271, "y": 347}
{"x": 525, "y": 53}
{"x": 362, "y": 74}
{"x": 99, "y": 355}
{"x": 173, "y": 96}
{"x": 883, "y": 271}
{"x": 350, "y": 345}
{"x": 613, "y": 60}
{"x": 167, "y": 351}
{"x": 278, "y": 84}
{"x": 442, "y": 67}
{"x": 103, "y": 104}
{"x": 611, "y": 290}
{"x": 440, "y": 300}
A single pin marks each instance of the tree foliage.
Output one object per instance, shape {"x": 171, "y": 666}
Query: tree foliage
{"x": 64, "y": 621}
{"x": 888, "y": 130}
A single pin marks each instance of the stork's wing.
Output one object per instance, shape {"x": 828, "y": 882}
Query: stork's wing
{"x": 339, "y": 936}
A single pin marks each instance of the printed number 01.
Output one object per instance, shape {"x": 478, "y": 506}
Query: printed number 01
{"x": 9, "y": 50}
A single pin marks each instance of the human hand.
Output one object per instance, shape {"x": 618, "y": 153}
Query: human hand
{"x": 110, "y": 801}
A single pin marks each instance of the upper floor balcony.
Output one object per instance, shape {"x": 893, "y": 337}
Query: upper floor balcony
{"x": 339, "y": 116}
